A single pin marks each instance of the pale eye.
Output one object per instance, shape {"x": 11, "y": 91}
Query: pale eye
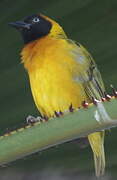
{"x": 36, "y": 19}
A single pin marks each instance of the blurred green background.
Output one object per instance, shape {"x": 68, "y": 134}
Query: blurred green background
{"x": 93, "y": 23}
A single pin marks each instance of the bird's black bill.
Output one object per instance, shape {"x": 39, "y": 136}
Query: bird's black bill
{"x": 20, "y": 25}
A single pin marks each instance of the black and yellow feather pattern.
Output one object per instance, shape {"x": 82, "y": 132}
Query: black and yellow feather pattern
{"x": 62, "y": 73}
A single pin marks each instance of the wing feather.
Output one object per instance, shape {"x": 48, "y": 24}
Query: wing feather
{"x": 91, "y": 80}
{"x": 89, "y": 74}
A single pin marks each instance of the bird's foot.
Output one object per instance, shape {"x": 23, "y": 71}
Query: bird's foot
{"x": 31, "y": 119}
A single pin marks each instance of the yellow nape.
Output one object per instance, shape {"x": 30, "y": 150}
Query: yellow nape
{"x": 56, "y": 28}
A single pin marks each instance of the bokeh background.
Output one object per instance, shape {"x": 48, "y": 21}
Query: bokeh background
{"x": 93, "y": 23}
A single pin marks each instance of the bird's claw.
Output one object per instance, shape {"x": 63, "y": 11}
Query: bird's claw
{"x": 31, "y": 119}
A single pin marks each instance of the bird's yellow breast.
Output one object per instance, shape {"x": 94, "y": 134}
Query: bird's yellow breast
{"x": 51, "y": 70}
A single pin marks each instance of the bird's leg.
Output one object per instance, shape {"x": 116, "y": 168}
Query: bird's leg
{"x": 31, "y": 119}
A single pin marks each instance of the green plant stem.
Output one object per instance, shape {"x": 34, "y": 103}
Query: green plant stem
{"x": 55, "y": 131}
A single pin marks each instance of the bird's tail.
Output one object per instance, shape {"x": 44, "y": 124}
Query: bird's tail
{"x": 96, "y": 141}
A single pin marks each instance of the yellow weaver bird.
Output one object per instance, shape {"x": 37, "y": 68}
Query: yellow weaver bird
{"x": 61, "y": 73}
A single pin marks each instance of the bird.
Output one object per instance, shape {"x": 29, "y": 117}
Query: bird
{"x": 61, "y": 73}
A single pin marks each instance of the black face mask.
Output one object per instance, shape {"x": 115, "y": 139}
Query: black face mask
{"x": 32, "y": 27}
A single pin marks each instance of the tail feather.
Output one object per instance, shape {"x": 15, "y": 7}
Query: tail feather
{"x": 96, "y": 141}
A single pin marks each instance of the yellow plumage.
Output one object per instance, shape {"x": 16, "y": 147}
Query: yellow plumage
{"x": 62, "y": 73}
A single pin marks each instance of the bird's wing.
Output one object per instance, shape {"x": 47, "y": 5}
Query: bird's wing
{"x": 90, "y": 77}
{"x": 88, "y": 74}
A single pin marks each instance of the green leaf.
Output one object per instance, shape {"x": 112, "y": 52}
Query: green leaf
{"x": 71, "y": 125}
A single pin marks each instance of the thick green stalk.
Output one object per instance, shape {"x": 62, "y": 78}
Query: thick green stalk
{"x": 69, "y": 126}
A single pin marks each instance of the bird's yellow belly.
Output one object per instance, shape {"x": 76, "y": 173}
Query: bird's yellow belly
{"x": 55, "y": 90}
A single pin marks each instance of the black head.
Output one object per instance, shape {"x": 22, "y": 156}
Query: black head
{"x": 32, "y": 27}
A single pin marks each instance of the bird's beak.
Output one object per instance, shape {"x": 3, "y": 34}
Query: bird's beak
{"x": 20, "y": 25}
